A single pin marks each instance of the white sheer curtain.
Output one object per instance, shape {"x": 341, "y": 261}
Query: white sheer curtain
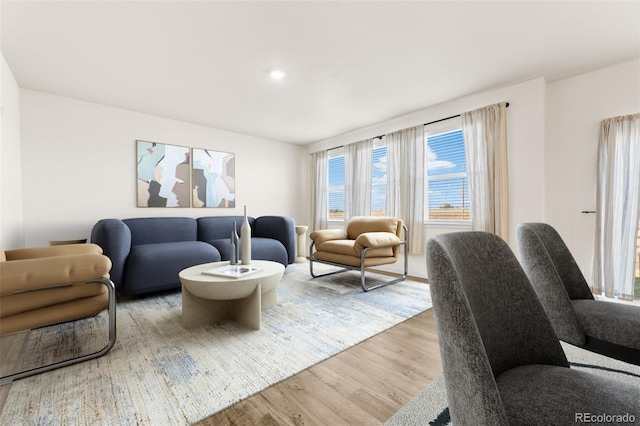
{"x": 485, "y": 139}
{"x": 405, "y": 182}
{"x": 618, "y": 206}
{"x": 357, "y": 179}
{"x": 319, "y": 180}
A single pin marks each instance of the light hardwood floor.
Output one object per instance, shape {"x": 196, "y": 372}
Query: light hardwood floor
{"x": 363, "y": 385}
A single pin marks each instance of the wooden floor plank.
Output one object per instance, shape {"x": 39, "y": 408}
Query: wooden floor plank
{"x": 363, "y": 385}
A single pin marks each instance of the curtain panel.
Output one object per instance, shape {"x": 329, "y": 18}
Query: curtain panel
{"x": 357, "y": 179}
{"x": 319, "y": 180}
{"x": 617, "y": 206}
{"x": 485, "y": 139}
{"x": 405, "y": 182}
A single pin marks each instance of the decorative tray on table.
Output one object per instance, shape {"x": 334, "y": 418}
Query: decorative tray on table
{"x": 232, "y": 271}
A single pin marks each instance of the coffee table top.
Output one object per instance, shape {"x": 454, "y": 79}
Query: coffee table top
{"x": 227, "y": 288}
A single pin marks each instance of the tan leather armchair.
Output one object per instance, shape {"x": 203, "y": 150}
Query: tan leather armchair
{"x": 367, "y": 241}
{"x": 50, "y": 285}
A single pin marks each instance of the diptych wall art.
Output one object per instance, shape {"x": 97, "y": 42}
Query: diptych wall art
{"x": 214, "y": 175}
{"x": 163, "y": 175}
{"x": 179, "y": 176}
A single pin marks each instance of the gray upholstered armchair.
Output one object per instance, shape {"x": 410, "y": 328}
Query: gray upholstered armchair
{"x": 611, "y": 329}
{"x": 502, "y": 361}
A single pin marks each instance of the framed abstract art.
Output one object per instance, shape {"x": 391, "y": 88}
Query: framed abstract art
{"x": 163, "y": 175}
{"x": 213, "y": 178}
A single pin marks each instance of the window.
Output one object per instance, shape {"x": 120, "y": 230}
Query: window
{"x": 447, "y": 195}
{"x": 446, "y": 184}
{"x": 379, "y": 178}
{"x": 336, "y": 186}
{"x": 378, "y": 181}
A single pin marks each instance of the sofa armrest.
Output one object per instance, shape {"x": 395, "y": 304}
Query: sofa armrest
{"x": 49, "y": 251}
{"x": 281, "y": 228}
{"x": 114, "y": 236}
{"x": 323, "y": 235}
{"x": 32, "y": 274}
{"x": 376, "y": 240}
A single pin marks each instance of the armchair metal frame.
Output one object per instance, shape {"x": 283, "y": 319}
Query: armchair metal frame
{"x": 112, "y": 339}
{"x": 362, "y": 267}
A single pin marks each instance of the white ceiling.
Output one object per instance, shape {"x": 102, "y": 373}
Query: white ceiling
{"x": 348, "y": 64}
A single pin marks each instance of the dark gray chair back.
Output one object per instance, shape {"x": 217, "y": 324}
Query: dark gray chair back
{"x": 564, "y": 262}
{"x": 536, "y": 242}
{"x": 489, "y": 320}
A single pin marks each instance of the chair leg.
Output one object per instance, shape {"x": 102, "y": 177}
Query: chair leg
{"x": 344, "y": 268}
{"x": 312, "y": 259}
{"x": 385, "y": 283}
{"x": 112, "y": 340}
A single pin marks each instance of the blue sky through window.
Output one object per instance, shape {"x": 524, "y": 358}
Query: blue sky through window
{"x": 379, "y": 180}
{"x": 336, "y": 183}
{"x": 445, "y": 156}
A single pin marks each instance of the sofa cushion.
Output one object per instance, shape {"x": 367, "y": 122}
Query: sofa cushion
{"x": 378, "y": 243}
{"x": 344, "y": 247}
{"x": 360, "y": 224}
{"x": 114, "y": 237}
{"x": 261, "y": 249}
{"x": 281, "y": 228}
{"x": 154, "y": 267}
{"x": 219, "y": 227}
{"x": 152, "y": 230}
{"x": 269, "y": 249}
{"x": 354, "y": 248}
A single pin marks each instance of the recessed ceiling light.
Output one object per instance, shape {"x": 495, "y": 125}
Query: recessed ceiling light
{"x": 277, "y": 74}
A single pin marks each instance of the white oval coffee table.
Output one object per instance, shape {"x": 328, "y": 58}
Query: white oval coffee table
{"x": 207, "y": 299}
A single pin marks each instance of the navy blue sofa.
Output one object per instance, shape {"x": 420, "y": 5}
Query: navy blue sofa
{"x": 148, "y": 253}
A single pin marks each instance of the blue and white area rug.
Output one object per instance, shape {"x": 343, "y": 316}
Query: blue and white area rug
{"x": 161, "y": 374}
{"x": 430, "y": 406}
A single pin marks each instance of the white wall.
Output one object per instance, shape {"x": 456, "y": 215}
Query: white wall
{"x": 575, "y": 108}
{"x": 79, "y": 166}
{"x": 11, "y": 221}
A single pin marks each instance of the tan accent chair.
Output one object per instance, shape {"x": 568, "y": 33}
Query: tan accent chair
{"x": 367, "y": 241}
{"x": 50, "y": 285}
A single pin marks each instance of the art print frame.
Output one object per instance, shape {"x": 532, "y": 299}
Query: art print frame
{"x": 213, "y": 175}
{"x": 163, "y": 173}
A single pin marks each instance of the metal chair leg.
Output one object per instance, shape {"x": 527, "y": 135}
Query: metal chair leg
{"x": 112, "y": 340}
{"x": 385, "y": 283}
{"x": 312, "y": 259}
{"x": 361, "y": 268}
